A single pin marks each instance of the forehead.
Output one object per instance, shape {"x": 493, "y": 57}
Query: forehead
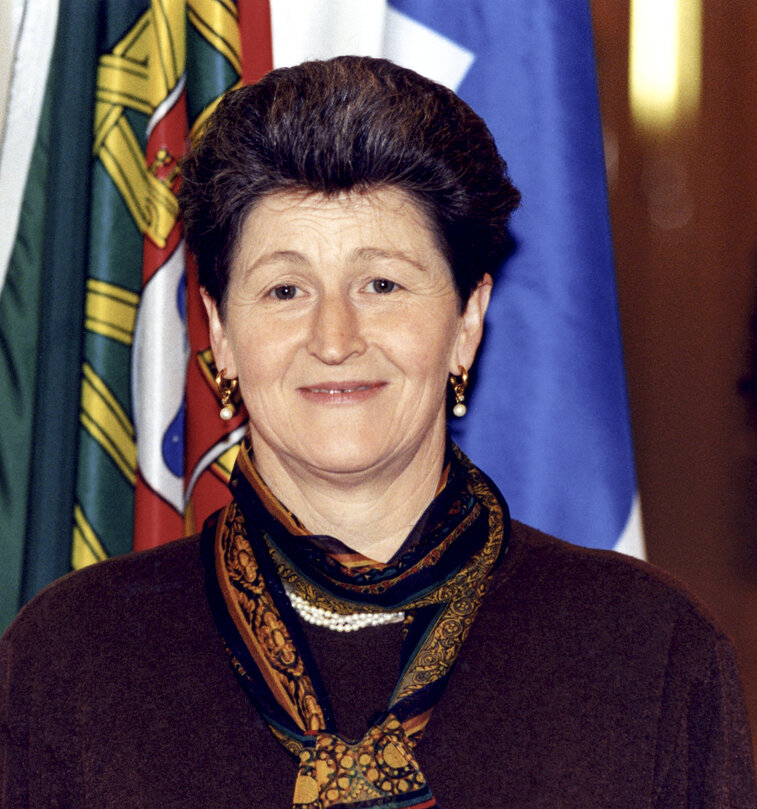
{"x": 300, "y": 219}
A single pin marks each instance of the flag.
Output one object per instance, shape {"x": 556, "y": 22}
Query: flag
{"x": 113, "y": 439}
{"x": 94, "y": 342}
{"x": 40, "y": 303}
{"x": 549, "y": 418}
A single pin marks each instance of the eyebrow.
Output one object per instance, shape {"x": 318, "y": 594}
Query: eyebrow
{"x": 371, "y": 253}
{"x": 359, "y": 254}
{"x": 288, "y": 256}
{"x": 291, "y": 256}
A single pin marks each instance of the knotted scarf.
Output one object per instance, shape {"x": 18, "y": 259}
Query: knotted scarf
{"x": 438, "y": 578}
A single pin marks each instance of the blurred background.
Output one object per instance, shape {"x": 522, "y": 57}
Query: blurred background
{"x": 678, "y": 92}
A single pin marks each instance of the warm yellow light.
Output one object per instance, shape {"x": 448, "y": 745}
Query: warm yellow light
{"x": 665, "y": 60}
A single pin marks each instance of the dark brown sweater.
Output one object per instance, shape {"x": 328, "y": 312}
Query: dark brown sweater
{"x": 588, "y": 680}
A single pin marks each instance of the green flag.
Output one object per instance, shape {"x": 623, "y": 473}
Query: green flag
{"x": 41, "y": 324}
{"x": 127, "y": 80}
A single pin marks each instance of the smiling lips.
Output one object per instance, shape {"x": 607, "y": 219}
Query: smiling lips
{"x": 349, "y": 392}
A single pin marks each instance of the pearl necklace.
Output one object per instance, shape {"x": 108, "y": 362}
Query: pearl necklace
{"x": 335, "y": 620}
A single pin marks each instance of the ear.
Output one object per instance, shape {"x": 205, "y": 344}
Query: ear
{"x": 219, "y": 340}
{"x": 472, "y": 326}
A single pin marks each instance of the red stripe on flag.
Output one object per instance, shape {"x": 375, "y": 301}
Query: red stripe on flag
{"x": 255, "y": 36}
{"x": 204, "y": 427}
{"x": 165, "y": 148}
{"x": 155, "y": 520}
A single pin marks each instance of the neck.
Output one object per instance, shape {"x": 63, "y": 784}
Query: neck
{"x": 370, "y": 512}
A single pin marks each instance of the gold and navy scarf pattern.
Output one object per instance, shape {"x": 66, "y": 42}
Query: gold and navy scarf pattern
{"x": 438, "y": 578}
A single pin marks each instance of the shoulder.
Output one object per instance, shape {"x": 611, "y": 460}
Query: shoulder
{"x": 613, "y": 671}
{"x": 110, "y": 596}
{"x": 597, "y": 593}
{"x": 606, "y": 626}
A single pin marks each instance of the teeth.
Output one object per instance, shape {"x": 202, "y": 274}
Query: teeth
{"x": 334, "y": 391}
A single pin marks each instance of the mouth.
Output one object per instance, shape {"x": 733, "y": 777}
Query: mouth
{"x": 341, "y": 392}
{"x": 341, "y": 389}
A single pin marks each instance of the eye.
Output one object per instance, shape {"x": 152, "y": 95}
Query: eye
{"x": 285, "y": 292}
{"x": 382, "y": 285}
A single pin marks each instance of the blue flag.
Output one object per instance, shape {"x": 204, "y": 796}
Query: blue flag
{"x": 548, "y": 418}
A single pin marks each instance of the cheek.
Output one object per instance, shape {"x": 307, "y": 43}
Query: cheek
{"x": 245, "y": 350}
{"x": 427, "y": 346}
{"x": 263, "y": 356}
{"x": 257, "y": 368}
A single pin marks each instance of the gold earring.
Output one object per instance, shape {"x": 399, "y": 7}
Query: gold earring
{"x": 459, "y": 384}
{"x": 226, "y": 388}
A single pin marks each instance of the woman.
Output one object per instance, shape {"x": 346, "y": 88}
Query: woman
{"x": 366, "y": 586}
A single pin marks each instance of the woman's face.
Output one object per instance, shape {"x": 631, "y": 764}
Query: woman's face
{"x": 342, "y": 324}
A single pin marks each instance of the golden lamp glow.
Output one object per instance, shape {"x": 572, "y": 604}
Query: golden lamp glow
{"x": 665, "y": 61}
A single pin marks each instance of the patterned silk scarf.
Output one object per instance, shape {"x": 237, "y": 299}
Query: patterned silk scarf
{"x": 438, "y": 578}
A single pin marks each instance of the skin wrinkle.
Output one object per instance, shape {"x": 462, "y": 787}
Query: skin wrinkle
{"x": 304, "y": 314}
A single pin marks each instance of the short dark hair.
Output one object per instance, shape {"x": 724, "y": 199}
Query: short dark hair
{"x": 349, "y": 123}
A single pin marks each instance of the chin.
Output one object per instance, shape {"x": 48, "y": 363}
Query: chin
{"x": 363, "y": 445}
{"x": 345, "y": 457}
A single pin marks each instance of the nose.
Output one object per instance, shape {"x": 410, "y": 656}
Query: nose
{"x": 335, "y": 334}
